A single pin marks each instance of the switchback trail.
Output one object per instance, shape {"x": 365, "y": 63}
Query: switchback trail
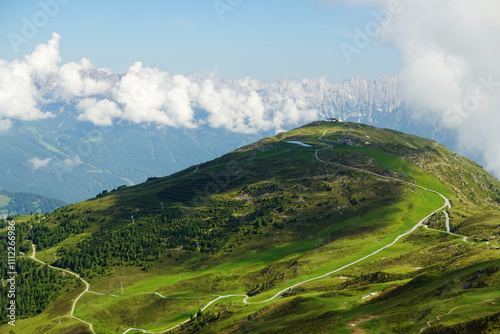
{"x": 87, "y": 286}
{"x": 438, "y": 318}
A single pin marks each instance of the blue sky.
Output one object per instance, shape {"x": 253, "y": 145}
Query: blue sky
{"x": 267, "y": 40}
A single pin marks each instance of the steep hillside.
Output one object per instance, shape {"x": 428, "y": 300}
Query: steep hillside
{"x": 294, "y": 233}
{"x": 26, "y": 203}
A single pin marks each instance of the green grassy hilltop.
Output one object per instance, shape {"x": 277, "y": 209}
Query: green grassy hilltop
{"x": 238, "y": 231}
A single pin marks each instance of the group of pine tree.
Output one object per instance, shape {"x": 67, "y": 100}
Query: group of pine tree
{"x": 36, "y": 285}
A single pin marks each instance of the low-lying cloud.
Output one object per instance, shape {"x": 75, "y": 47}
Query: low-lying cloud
{"x": 102, "y": 113}
{"x": 56, "y": 165}
{"x": 145, "y": 95}
{"x": 450, "y": 51}
{"x": 37, "y": 163}
{"x": 20, "y": 80}
{"x": 72, "y": 83}
{"x": 149, "y": 95}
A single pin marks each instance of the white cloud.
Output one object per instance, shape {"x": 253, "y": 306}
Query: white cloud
{"x": 19, "y": 95}
{"x": 5, "y": 125}
{"x": 442, "y": 73}
{"x": 43, "y": 61}
{"x": 450, "y": 51}
{"x": 248, "y": 106}
{"x": 149, "y": 95}
{"x": 72, "y": 83}
{"x": 66, "y": 164}
{"x": 69, "y": 163}
{"x": 37, "y": 163}
{"x": 239, "y": 110}
{"x": 100, "y": 113}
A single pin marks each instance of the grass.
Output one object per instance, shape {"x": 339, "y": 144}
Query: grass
{"x": 4, "y": 201}
{"x": 47, "y": 255}
{"x": 143, "y": 311}
{"x": 437, "y": 283}
{"x": 47, "y": 322}
{"x": 468, "y": 308}
{"x": 49, "y": 326}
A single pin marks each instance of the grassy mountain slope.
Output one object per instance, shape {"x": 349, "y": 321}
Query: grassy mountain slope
{"x": 26, "y": 203}
{"x": 267, "y": 216}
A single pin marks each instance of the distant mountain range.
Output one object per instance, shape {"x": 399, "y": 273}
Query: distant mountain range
{"x": 70, "y": 159}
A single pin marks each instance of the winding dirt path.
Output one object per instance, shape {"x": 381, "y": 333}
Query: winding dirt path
{"x": 438, "y": 318}
{"x": 87, "y": 286}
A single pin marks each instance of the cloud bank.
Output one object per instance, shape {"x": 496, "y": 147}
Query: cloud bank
{"x": 19, "y": 82}
{"x": 450, "y": 51}
{"x": 145, "y": 95}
